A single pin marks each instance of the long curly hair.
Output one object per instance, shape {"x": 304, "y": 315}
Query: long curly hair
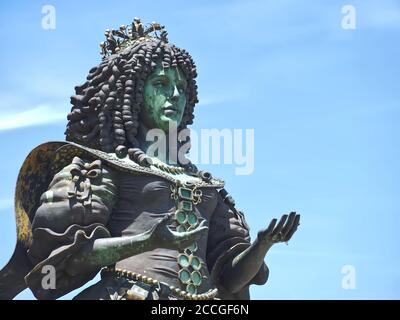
{"x": 106, "y": 108}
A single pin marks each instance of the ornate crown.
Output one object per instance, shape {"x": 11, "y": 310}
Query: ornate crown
{"x": 125, "y": 36}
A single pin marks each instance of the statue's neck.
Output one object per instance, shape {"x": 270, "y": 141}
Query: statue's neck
{"x": 162, "y": 146}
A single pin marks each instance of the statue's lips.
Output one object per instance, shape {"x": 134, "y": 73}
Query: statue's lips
{"x": 170, "y": 110}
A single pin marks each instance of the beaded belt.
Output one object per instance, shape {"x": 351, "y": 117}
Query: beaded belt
{"x": 171, "y": 290}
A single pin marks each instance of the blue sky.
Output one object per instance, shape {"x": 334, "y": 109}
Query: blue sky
{"x": 324, "y": 104}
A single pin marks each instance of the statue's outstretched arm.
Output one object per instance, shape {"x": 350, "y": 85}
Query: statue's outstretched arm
{"x": 107, "y": 251}
{"x": 79, "y": 202}
{"x": 245, "y": 266}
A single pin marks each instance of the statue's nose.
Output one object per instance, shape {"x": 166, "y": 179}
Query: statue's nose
{"x": 175, "y": 94}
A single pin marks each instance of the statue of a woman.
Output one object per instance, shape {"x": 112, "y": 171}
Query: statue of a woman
{"x": 156, "y": 227}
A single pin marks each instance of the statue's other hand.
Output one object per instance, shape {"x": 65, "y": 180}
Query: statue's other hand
{"x": 281, "y": 232}
{"x": 161, "y": 236}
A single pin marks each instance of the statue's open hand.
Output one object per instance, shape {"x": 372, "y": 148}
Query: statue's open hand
{"x": 283, "y": 231}
{"x": 161, "y": 236}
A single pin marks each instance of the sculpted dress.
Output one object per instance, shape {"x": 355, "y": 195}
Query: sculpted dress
{"x": 88, "y": 194}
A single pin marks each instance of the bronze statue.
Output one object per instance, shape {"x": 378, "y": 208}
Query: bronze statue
{"x": 99, "y": 202}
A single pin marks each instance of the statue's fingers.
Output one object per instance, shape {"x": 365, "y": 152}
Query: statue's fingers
{"x": 192, "y": 234}
{"x": 165, "y": 220}
{"x": 202, "y": 227}
{"x": 271, "y": 226}
{"x": 199, "y": 230}
{"x": 267, "y": 231}
{"x": 163, "y": 223}
{"x": 187, "y": 238}
{"x": 280, "y": 225}
{"x": 202, "y": 224}
{"x": 289, "y": 224}
{"x": 296, "y": 223}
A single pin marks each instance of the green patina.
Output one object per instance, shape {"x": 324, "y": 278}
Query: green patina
{"x": 164, "y": 98}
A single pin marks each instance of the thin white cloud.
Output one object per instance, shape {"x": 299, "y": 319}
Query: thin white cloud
{"x": 45, "y": 114}
{"x": 42, "y": 114}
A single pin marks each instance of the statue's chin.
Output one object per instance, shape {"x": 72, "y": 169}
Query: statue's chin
{"x": 169, "y": 122}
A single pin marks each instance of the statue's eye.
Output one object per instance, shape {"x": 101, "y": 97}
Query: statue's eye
{"x": 159, "y": 83}
{"x": 182, "y": 86}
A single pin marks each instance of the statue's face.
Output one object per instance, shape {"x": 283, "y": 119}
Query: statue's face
{"x": 164, "y": 98}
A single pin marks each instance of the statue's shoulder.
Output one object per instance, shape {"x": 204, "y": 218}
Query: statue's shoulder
{"x": 49, "y": 158}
